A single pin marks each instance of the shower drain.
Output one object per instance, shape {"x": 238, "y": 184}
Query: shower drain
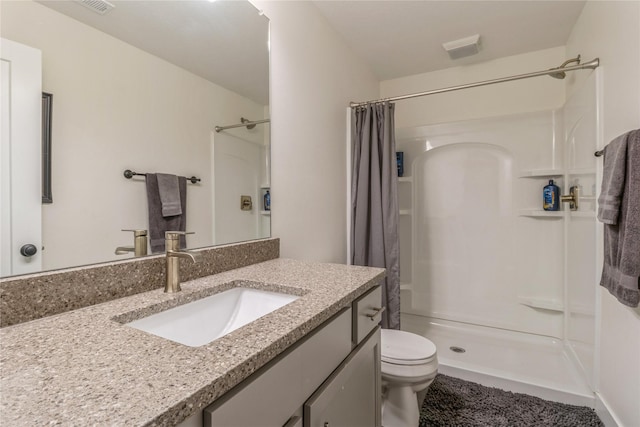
{"x": 457, "y": 349}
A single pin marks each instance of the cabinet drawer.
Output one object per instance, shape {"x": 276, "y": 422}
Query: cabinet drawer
{"x": 367, "y": 313}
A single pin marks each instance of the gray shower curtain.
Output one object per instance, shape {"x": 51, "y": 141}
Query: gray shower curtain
{"x": 374, "y": 200}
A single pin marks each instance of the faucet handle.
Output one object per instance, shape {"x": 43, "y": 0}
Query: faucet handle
{"x": 137, "y": 232}
{"x": 175, "y": 235}
{"x": 139, "y": 247}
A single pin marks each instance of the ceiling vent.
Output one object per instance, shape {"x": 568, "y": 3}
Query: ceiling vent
{"x": 463, "y": 47}
{"x": 98, "y": 6}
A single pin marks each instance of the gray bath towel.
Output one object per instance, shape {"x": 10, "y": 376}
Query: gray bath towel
{"x": 619, "y": 210}
{"x": 169, "y": 194}
{"x": 158, "y": 224}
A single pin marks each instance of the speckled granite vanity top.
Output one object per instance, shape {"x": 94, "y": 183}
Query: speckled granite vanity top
{"x": 85, "y": 368}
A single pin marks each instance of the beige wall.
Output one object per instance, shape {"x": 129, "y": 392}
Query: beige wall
{"x": 115, "y": 108}
{"x": 506, "y": 98}
{"x": 313, "y": 78}
{"x": 611, "y": 30}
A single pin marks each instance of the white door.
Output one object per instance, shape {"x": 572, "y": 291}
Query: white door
{"x": 20, "y": 157}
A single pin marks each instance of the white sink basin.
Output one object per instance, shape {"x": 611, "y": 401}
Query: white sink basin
{"x": 200, "y": 322}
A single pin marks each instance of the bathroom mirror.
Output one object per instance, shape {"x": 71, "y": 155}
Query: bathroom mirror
{"x": 142, "y": 86}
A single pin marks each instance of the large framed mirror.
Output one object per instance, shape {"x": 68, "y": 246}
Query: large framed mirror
{"x": 140, "y": 86}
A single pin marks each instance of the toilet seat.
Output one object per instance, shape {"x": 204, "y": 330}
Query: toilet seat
{"x": 405, "y": 348}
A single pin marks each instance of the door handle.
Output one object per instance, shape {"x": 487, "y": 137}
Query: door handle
{"x": 28, "y": 250}
{"x": 375, "y": 313}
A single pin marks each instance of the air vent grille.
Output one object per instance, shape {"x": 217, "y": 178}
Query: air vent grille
{"x": 463, "y": 47}
{"x": 98, "y": 6}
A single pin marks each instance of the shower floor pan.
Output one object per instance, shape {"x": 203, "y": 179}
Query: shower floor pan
{"x": 509, "y": 360}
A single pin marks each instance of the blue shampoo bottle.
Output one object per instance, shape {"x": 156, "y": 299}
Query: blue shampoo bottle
{"x": 551, "y": 197}
{"x": 267, "y": 201}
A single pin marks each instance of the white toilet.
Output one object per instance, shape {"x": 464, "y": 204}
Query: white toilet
{"x": 409, "y": 365}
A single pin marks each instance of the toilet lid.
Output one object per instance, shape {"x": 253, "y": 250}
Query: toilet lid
{"x": 405, "y": 348}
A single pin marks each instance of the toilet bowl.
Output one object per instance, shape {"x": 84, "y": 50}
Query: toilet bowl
{"x": 409, "y": 365}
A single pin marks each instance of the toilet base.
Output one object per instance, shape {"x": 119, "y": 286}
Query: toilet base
{"x": 409, "y": 366}
{"x": 400, "y": 402}
{"x": 400, "y": 408}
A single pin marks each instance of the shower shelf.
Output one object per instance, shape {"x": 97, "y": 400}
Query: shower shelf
{"x": 540, "y": 173}
{"x": 539, "y": 213}
{"x": 266, "y": 213}
{"x": 543, "y": 303}
{"x": 405, "y": 179}
{"x": 406, "y": 212}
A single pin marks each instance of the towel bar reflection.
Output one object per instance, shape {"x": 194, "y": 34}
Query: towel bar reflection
{"x": 130, "y": 174}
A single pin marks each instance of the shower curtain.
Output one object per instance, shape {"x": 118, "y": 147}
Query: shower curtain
{"x": 374, "y": 200}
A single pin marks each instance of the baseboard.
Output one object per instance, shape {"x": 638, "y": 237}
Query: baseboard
{"x": 605, "y": 414}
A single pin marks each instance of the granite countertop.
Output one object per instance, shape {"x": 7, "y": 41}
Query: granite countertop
{"x": 84, "y": 367}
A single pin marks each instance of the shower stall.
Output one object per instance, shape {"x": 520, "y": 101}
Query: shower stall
{"x": 506, "y": 290}
{"x": 240, "y": 177}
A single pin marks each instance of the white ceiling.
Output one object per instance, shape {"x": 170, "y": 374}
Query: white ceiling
{"x": 401, "y": 38}
{"x": 224, "y": 42}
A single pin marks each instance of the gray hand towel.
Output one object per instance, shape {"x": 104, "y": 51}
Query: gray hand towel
{"x": 619, "y": 210}
{"x": 169, "y": 194}
{"x": 158, "y": 224}
{"x": 613, "y": 180}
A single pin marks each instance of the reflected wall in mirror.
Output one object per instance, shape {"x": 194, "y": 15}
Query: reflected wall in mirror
{"x": 142, "y": 87}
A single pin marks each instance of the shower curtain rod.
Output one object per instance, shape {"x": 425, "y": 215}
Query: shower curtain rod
{"x": 245, "y": 123}
{"x": 593, "y": 64}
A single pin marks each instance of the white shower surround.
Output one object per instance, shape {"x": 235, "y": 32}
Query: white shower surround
{"x": 471, "y": 251}
{"x": 491, "y": 258}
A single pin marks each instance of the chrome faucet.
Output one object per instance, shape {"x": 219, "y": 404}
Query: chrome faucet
{"x": 172, "y": 247}
{"x": 139, "y": 247}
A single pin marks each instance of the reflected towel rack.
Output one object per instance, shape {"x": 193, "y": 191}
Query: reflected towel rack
{"x": 130, "y": 174}
{"x": 599, "y": 153}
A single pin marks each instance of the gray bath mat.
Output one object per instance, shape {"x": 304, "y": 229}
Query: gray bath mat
{"x": 452, "y": 402}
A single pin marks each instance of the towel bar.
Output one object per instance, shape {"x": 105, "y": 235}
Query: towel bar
{"x": 130, "y": 174}
{"x": 599, "y": 153}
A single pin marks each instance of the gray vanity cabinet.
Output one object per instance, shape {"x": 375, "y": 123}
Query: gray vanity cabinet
{"x": 270, "y": 396}
{"x": 330, "y": 376}
{"x": 351, "y": 395}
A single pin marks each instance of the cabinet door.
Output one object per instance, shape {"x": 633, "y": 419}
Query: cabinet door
{"x": 277, "y": 390}
{"x": 351, "y": 396}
